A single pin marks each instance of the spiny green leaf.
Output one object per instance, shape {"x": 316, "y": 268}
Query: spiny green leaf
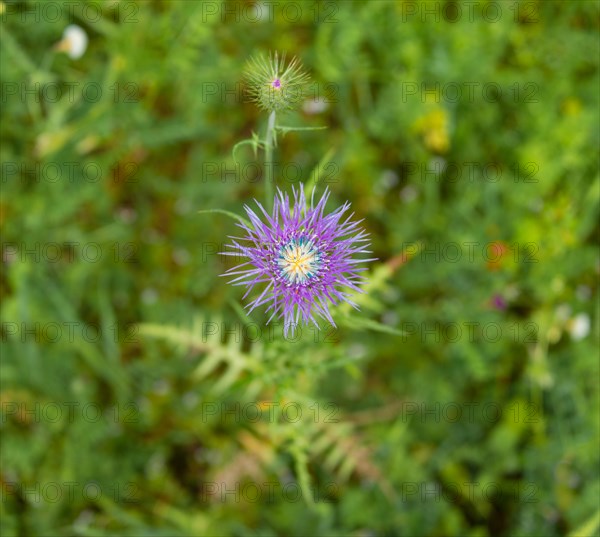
{"x": 359, "y": 323}
{"x": 255, "y": 142}
{"x": 228, "y": 213}
{"x": 285, "y": 129}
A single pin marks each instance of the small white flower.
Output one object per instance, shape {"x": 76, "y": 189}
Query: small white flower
{"x": 183, "y": 206}
{"x": 315, "y": 106}
{"x": 583, "y": 292}
{"x": 127, "y": 215}
{"x": 579, "y": 327}
{"x": 536, "y": 205}
{"x": 357, "y": 351}
{"x": 181, "y": 256}
{"x": 388, "y": 179}
{"x": 563, "y": 312}
{"x": 74, "y": 41}
{"x": 511, "y": 292}
{"x": 408, "y": 193}
{"x": 390, "y": 318}
{"x": 149, "y": 296}
{"x": 259, "y": 12}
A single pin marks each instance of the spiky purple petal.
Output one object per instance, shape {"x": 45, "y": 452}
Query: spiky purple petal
{"x": 304, "y": 255}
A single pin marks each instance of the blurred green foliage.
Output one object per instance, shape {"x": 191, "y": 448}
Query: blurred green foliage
{"x": 415, "y": 420}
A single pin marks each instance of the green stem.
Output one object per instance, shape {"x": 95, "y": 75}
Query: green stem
{"x": 269, "y": 143}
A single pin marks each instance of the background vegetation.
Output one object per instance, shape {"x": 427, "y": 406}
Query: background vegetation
{"x": 137, "y": 397}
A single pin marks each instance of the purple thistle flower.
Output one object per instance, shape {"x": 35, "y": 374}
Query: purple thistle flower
{"x": 304, "y": 257}
{"x": 499, "y": 302}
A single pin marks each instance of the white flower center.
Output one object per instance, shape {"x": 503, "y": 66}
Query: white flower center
{"x": 299, "y": 260}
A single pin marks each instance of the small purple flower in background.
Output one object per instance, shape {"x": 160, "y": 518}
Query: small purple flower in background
{"x": 305, "y": 258}
{"x": 499, "y": 302}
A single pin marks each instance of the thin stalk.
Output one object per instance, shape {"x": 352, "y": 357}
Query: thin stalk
{"x": 269, "y": 142}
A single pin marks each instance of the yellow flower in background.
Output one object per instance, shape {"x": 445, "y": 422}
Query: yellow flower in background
{"x": 571, "y": 106}
{"x": 433, "y": 126}
{"x": 48, "y": 143}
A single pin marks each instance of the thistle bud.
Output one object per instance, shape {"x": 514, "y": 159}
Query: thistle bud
{"x": 273, "y": 85}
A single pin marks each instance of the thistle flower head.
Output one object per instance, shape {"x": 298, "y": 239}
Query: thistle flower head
{"x": 304, "y": 256}
{"x": 273, "y": 85}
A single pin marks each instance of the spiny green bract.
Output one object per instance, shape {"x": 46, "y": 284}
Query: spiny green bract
{"x": 274, "y": 86}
